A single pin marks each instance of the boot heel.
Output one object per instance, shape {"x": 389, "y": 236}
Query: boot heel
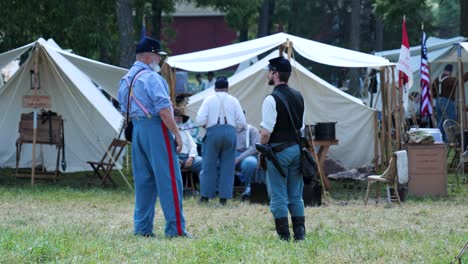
{"x": 298, "y": 227}
{"x": 282, "y": 228}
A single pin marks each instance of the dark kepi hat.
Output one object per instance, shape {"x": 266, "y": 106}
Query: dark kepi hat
{"x": 179, "y": 112}
{"x": 221, "y": 82}
{"x": 279, "y": 64}
{"x": 149, "y": 45}
{"x": 448, "y": 68}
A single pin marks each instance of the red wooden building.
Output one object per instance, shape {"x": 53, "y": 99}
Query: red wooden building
{"x": 198, "y": 29}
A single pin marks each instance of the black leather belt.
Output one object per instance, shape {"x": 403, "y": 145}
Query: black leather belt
{"x": 283, "y": 146}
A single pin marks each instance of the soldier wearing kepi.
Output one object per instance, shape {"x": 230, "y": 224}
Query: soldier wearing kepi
{"x": 155, "y": 143}
{"x": 221, "y": 115}
{"x": 285, "y": 190}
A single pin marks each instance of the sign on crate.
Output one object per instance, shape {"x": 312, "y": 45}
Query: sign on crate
{"x": 30, "y": 101}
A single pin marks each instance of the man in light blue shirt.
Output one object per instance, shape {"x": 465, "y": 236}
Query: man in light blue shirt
{"x": 155, "y": 143}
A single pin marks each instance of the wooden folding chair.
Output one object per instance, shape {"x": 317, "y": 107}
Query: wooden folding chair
{"x": 452, "y": 129}
{"x": 103, "y": 168}
{"x": 390, "y": 178}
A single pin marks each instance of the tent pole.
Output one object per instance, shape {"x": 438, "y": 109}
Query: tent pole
{"x": 376, "y": 141}
{"x": 461, "y": 107}
{"x": 396, "y": 104}
{"x": 169, "y": 74}
{"x": 389, "y": 115}
{"x": 36, "y": 85}
{"x": 289, "y": 46}
{"x": 383, "y": 127}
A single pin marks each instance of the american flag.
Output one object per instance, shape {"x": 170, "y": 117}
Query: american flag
{"x": 426, "y": 107}
{"x": 143, "y": 28}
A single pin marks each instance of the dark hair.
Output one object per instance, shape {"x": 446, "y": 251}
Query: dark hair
{"x": 284, "y": 76}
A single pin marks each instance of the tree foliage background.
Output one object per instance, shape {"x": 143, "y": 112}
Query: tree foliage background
{"x": 90, "y": 28}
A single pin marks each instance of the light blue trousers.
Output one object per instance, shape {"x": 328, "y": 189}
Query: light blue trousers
{"x": 156, "y": 173}
{"x": 248, "y": 167}
{"x": 286, "y": 192}
{"x": 218, "y": 150}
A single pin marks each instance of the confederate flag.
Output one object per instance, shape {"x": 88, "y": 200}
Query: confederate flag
{"x": 405, "y": 73}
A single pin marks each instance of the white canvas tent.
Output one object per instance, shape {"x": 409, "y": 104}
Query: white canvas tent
{"x": 324, "y": 103}
{"x": 226, "y": 56}
{"x": 90, "y": 120}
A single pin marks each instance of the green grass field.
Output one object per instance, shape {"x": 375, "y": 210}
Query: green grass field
{"x": 71, "y": 222}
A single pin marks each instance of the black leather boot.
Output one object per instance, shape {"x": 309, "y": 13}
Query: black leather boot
{"x": 298, "y": 227}
{"x": 282, "y": 228}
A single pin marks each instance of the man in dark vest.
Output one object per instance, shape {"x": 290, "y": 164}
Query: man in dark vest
{"x": 277, "y": 131}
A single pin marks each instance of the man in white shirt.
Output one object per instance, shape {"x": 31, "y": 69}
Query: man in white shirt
{"x": 188, "y": 156}
{"x": 221, "y": 114}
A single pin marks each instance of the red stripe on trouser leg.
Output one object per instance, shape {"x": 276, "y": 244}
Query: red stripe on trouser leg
{"x": 175, "y": 193}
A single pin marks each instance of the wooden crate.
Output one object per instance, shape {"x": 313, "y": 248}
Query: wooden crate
{"x": 427, "y": 168}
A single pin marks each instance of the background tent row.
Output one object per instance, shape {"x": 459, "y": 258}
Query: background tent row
{"x": 324, "y": 103}
{"x": 90, "y": 120}
{"x": 439, "y": 52}
{"x": 319, "y": 99}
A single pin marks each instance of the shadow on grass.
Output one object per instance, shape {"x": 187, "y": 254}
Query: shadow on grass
{"x": 77, "y": 180}
{"x": 341, "y": 190}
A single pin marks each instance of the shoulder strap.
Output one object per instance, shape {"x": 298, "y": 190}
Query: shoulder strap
{"x": 247, "y": 138}
{"x": 130, "y": 92}
{"x": 286, "y": 104}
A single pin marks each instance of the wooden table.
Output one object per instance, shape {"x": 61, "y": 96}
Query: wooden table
{"x": 324, "y": 146}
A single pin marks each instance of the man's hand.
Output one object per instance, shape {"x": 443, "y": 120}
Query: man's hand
{"x": 237, "y": 161}
{"x": 188, "y": 162}
{"x": 179, "y": 142}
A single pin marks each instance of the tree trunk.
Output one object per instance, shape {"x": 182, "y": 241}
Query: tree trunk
{"x": 463, "y": 18}
{"x": 156, "y": 19}
{"x": 264, "y": 19}
{"x": 125, "y": 24}
{"x": 355, "y": 33}
{"x": 243, "y": 34}
{"x": 378, "y": 33}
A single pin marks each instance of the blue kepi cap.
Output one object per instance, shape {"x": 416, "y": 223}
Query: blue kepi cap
{"x": 149, "y": 45}
{"x": 279, "y": 64}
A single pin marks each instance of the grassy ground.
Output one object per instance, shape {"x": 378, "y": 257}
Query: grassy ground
{"x": 71, "y": 222}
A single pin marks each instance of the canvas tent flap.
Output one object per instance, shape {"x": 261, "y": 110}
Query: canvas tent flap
{"x": 464, "y": 45}
{"x": 223, "y": 57}
{"x": 324, "y": 103}
{"x": 8, "y": 56}
{"x": 335, "y": 56}
{"x": 226, "y": 56}
{"x": 90, "y": 120}
{"x": 105, "y": 75}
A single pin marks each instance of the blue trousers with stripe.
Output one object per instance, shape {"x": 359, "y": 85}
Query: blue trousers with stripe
{"x": 286, "y": 192}
{"x": 218, "y": 151}
{"x": 156, "y": 173}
